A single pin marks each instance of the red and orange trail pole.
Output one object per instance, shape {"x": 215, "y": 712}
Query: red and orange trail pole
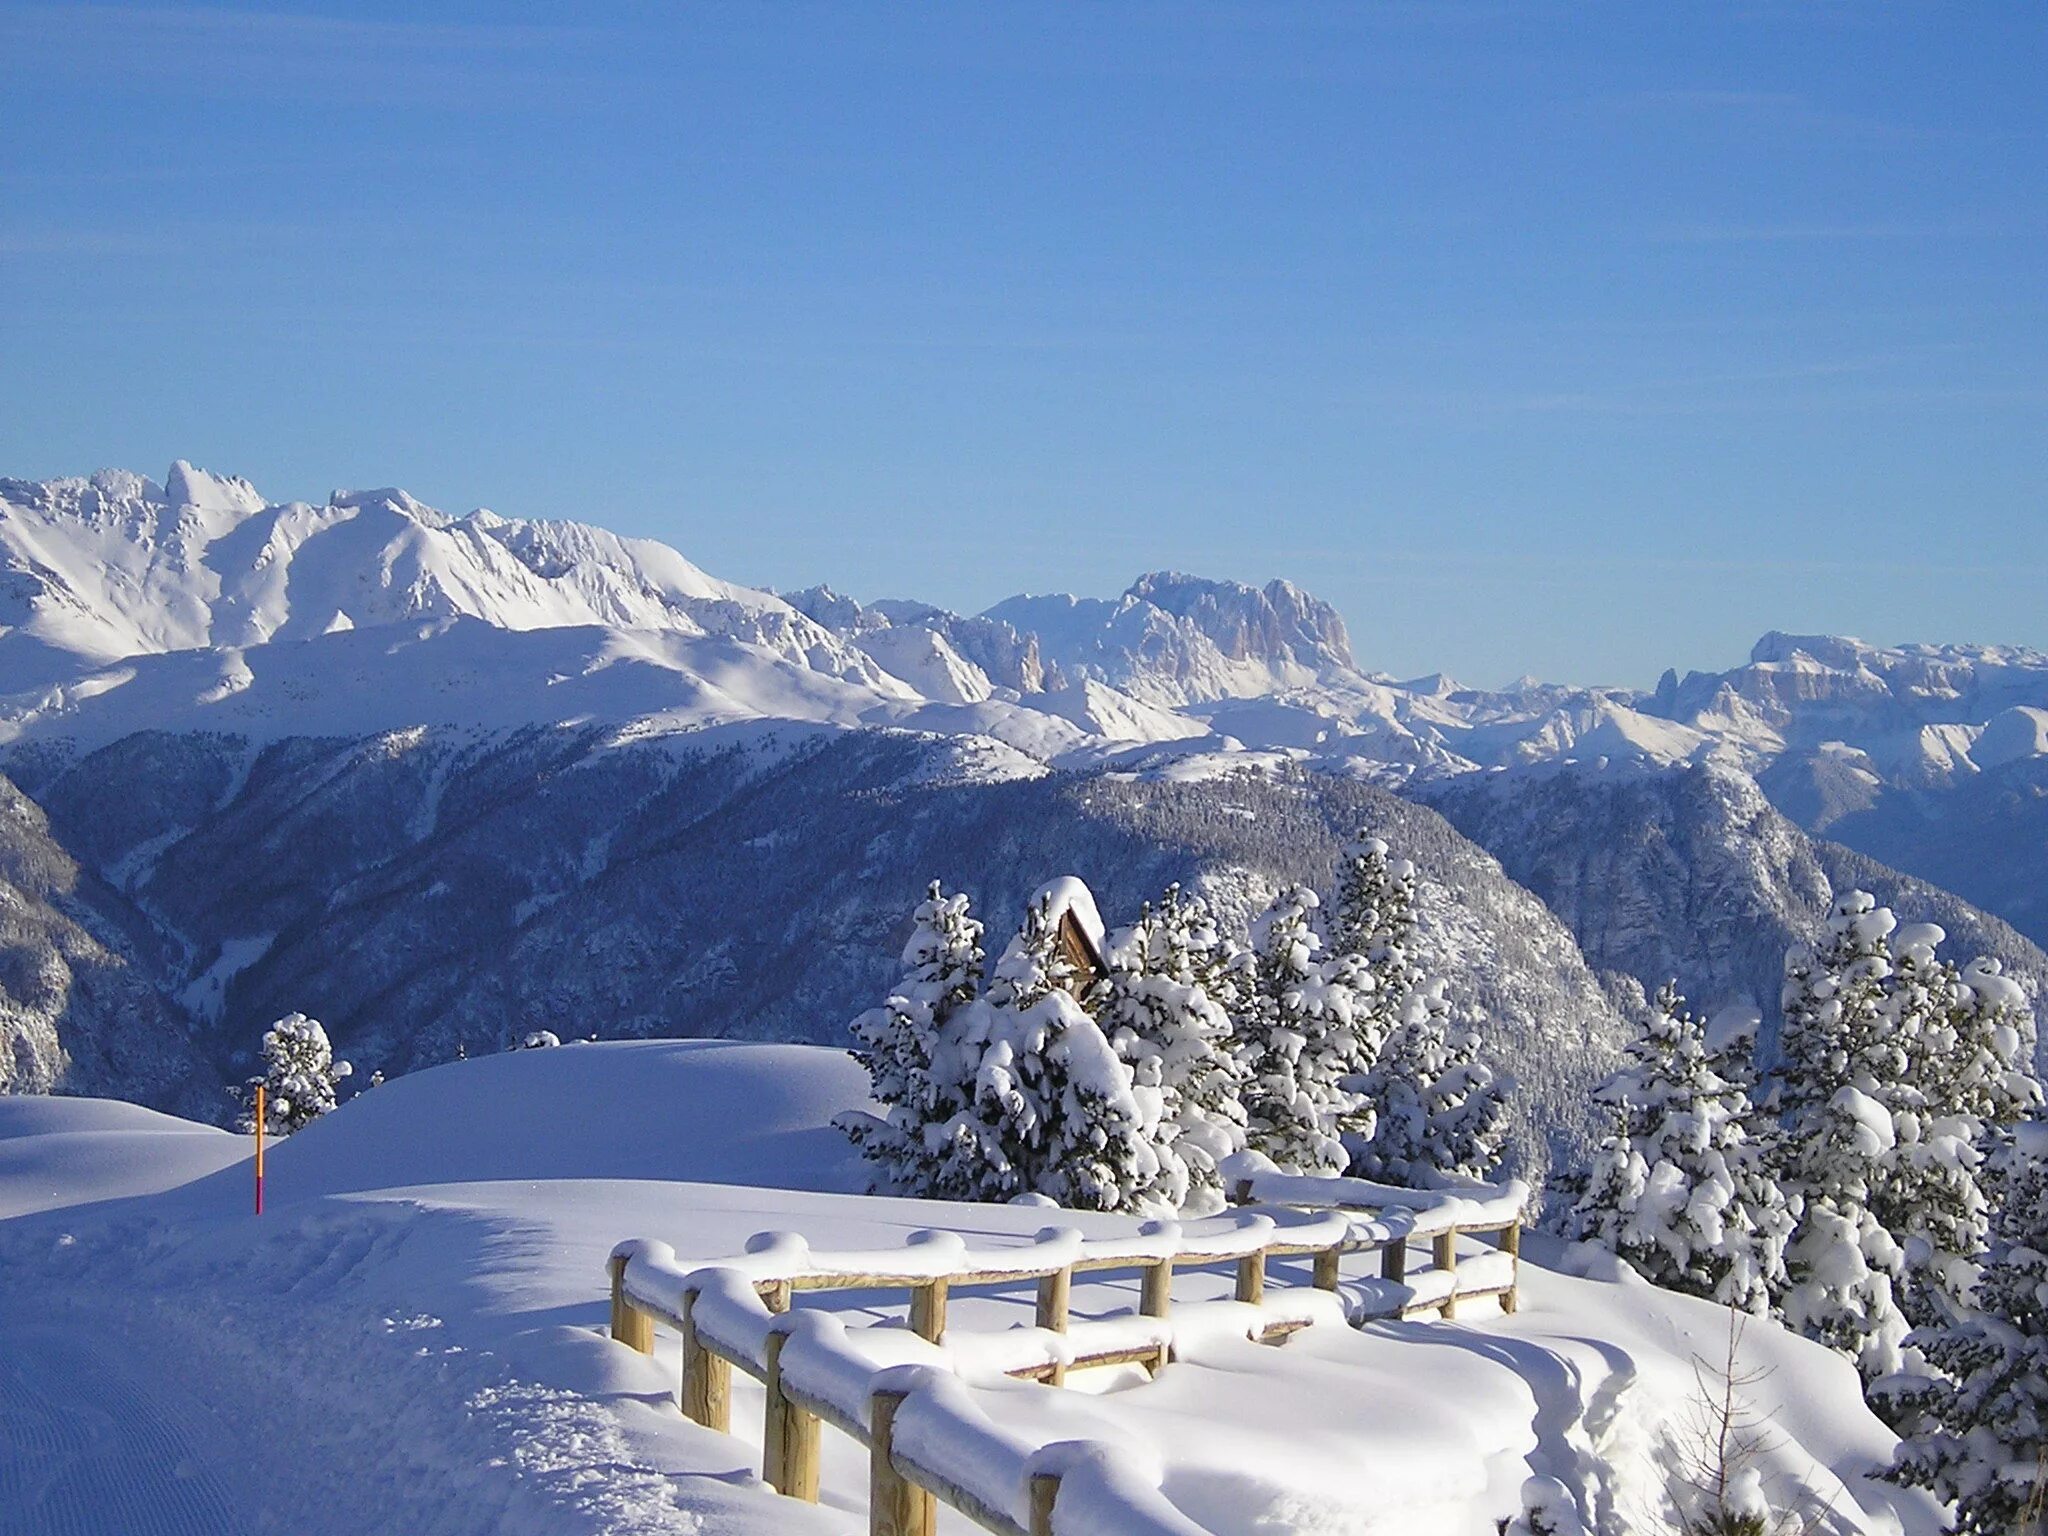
{"x": 259, "y": 1149}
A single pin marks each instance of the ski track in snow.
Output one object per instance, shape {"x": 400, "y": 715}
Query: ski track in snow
{"x": 87, "y": 1446}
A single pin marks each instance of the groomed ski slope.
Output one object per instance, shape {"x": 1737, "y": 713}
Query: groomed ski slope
{"x": 412, "y": 1338}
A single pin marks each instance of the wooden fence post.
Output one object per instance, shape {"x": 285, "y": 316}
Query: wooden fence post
{"x": 1510, "y": 1240}
{"x": 1251, "y": 1277}
{"x": 1394, "y": 1261}
{"x": 1447, "y": 1261}
{"x": 775, "y": 1295}
{"x": 707, "y": 1378}
{"x": 1045, "y": 1492}
{"x": 630, "y": 1326}
{"x": 928, "y": 1311}
{"x": 789, "y": 1434}
{"x": 1055, "y": 1293}
{"x": 1326, "y": 1270}
{"x": 1155, "y": 1293}
{"x": 896, "y": 1506}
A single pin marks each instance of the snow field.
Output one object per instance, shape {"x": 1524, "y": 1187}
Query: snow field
{"x": 414, "y": 1337}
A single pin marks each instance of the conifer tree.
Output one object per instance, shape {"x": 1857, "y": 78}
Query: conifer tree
{"x": 1843, "y": 1263}
{"x": 299, "y": 1078}
{"x": 1163, "y": 1023}
{"x": 1677, "y": 1188}
{"x": 1055, "y": 1110}
{"x": 897, "y": 1044}
{"x": 1980, "y": 1440}
{"x": 1466, "y": 1104}
{"x": 1374, "y": 919}
{"x": 1298, "y": 1044}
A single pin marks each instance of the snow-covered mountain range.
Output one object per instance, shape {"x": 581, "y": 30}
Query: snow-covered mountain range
{"x": 442, "y": 779}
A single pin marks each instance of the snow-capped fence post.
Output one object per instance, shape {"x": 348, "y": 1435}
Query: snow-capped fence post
{"x": 630, "y": 1326}
{"x": 1044, "y": 1493}
{"x": 1394, "y": 1261}
{"x": 1055, "y": 1292}
{"x": 1447, "y": 1260}
{"x": 1326, "y": 1270}
{"x": 896, "y": 1506}
{"x": 1251, "y": 1277}
{"x": 928, "y": 1310}
{"x": 707, "y": 1378}
{"x": 1155, "y": 1296}
{"x": 789, "y": 1435}
{"x": 1509, "y": 1239}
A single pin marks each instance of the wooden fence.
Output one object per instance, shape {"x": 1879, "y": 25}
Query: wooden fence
{"x": 873, "y": 1382}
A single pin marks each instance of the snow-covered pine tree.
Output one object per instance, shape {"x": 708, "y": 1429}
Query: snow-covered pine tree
{"x": 1438, "y": 1111}
{"x": 1981, "y": 1435}
{"x": 1842, "y": 1263}
{"x": 1967, "y": 1035}
{"x": 1297, "y": 1042}
{"x": 1175, "y": 1039}
{"x": 1466, "y": 1103}
{"x": 1055, "y": 1110}
{"x": 897, "y": 1042}
{"x": 1929, "y": 1196}
{"x": 1676, "y": 1188}
{"x": 1374, "y": 919}
{"x": 299, "y": 1078}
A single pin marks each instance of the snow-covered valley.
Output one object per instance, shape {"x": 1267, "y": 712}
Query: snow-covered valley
{"x": 415, "y": 1328}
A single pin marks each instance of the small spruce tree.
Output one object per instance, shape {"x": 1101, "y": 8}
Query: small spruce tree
{"x": 921, "y": 1083}
{"x": 299, "y": 1077}
{"x": 1055, "y": 1110}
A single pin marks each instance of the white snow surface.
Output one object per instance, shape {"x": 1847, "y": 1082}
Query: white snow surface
{"x": 412, "y": 1336}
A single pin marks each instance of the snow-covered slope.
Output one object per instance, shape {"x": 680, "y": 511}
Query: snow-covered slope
{"x": 419, "y": 1318}
{"x": 432, "y": 890}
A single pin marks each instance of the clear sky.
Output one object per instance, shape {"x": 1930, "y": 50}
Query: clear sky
{"x": 1579, "y": 340}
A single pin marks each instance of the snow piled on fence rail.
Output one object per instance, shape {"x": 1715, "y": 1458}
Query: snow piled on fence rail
{"x": 416, "y": 1330}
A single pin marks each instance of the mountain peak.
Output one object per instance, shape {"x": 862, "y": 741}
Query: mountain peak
{"x": 203, "y": 491}
{"x": 1778, "y": 648}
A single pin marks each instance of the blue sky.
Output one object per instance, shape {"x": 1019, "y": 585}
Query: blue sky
{"x": 1581, "y": 340}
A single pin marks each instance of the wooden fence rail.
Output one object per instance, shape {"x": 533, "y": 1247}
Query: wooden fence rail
{"x": 739, "y": 1314}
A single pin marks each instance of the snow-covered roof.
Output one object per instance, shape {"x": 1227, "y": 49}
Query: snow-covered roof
{"x": 1069, "y": 895}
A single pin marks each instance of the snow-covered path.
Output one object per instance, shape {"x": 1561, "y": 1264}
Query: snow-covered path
{"x": 92, "y": 1443}
{"x": 412, "y": 1338}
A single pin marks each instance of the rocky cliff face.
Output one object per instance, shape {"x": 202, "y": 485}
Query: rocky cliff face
{"x": 1172, "y": 640}
{"x": 81, "y": 1003}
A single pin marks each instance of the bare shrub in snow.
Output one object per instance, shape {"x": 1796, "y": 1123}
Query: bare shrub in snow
{"x": 1717, "y": 1481}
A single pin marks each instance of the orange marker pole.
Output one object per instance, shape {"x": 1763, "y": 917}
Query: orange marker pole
{"x": 259, "y": 1149}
